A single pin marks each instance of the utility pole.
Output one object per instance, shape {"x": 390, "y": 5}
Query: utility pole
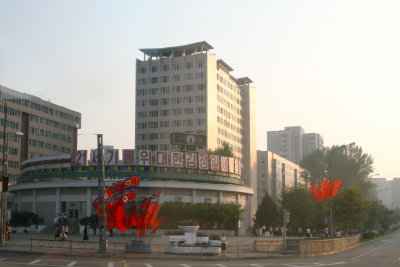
{"x": 101, "y": 187}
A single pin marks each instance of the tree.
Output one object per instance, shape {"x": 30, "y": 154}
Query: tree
{"x": 268, "y": 213}
{"x": 349, "y": 163}
{"x": 301, "y": 206}
{"x": 25, "y": 218}
{"x": 350, "y": 208}
{"x": 226, "y": 150}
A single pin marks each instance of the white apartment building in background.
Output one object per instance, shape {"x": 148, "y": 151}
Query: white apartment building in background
{"x": 186, "y": 89}
{"x": 276, "y": 174}
{"x": 293, "y": 143}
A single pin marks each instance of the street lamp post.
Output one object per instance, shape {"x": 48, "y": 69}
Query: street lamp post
{"x": 101, "y": 187}
{"x": 331, "y": 180}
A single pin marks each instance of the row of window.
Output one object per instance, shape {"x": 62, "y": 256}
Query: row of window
{"x": 174, "y": 78}
{"x": 10, "y": 124}
{"x": 229, "y": 95}
{"x": 174, "y": 100}
{"x": 51, "y": 123}
{"x": 172, "y": 89}
{"x": 11, "y": 150}
{"x": 229, "y": 135}
{"x": 50, "y": 147}
{"x": 11, "y": 164}
{"x": 48, "y": 134}
{"x": 228, "y": 104}
{"x": 231, "y": 86}
{"x": 229, "y": 125}
{"x": 168, "y": 67}
{"x": 42, "y": 108}
{"x": 229, "y": 115}
{"x": 11, "y": 111}
{"x": 173, "y": 123}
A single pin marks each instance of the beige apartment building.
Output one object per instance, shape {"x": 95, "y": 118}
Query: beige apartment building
{"x": 48, "y": 129}
{"x": 276, "y": 174}
{"x": 186, "y": 89}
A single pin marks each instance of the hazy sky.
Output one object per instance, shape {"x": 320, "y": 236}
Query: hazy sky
{"x": 332, "y": 67}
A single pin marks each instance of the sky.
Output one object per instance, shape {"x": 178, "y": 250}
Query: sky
{"x": 331, "y": 67}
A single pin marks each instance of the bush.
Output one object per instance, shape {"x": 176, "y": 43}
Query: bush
{"x": 215, "y": 237}
{"x": 201, "y": 234}
{"x": 188, "y": 223}
{"x": 25, "y": 218}
{"x": 368, "y": 235}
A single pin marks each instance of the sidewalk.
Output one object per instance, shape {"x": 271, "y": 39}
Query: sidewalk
{"x": 239, "y": 247}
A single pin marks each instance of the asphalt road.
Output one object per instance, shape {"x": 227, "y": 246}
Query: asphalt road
{"x": 381, "y": 252}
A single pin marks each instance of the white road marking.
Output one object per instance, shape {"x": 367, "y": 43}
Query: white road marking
{"x": 2, "y": 259}
{"x": 34, "y": 262}
{"x": 72, "y": 263}
{"x": 313, "y": 264}
{"x": 148, "y": 265}
{"x": 367, "y": 252}
{"x": 255, "y": 265}
{"x": 110, "y": 264}
{"x": 185, "y": 265}
{"x": 220, "y": 265}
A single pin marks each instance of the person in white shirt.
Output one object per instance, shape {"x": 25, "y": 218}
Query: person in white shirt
{"x": 224, "y": 242}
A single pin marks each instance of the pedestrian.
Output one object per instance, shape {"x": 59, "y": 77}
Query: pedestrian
{"x": 224, "y": 242}
{"x": 263, "y": 228}
{"x": 55, "y": 220}
{"x": 66, "y": 229}
{"x": 8, "y": 231}
{"x": 270, "y": 231}
{"x": 85, "y": 233}
{"x": 308, "y": 231}
{"x": 62, "y": 231}
{"x": 254, "y": 231}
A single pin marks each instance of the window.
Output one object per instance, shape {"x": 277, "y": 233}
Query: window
{"x": 153, "y": 113}
{"x": 189, "y": 65}
{"x": 164, "y": 79}
{"x": 154, "y": 69}
{"x": 165, "y": 67}
{"x": 153, "y": 124}
{"x": 153, "y": 80}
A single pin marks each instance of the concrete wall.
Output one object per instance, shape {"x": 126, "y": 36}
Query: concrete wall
{"x": 307, "y": 246}
{"x": 327, "y": 245}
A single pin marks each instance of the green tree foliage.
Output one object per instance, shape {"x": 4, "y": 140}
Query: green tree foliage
{"x": 226, "y": 150}
{"x": 25, "y": 218}
{"x": 349, "y": 163}
{"x": 209, "y": 215}
{"x": 268, "y": 213}
{"x": 304, "y": 211}
{"x": 350, "y": 208}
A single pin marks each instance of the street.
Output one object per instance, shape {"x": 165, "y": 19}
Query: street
{"x": 381, "y": 252}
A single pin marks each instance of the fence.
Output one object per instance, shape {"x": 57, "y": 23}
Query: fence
{"x": 259, "y": 248}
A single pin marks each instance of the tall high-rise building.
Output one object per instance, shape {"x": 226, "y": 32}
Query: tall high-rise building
{"x": 186, "y": 89}
{"x": 48, "y": 129}
{"x": 293, "y": 143}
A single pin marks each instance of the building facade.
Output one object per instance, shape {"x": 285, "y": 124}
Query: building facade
{"x": 48, "y": 129}
{"x": 293, "y": 143}
{"x": 52, "y": 185}
{"x": 186, "y": 89}
{"x": 276, "y": 174}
